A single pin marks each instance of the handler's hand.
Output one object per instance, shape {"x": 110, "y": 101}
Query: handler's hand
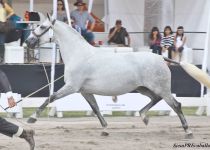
{"x": 11, "y": 102}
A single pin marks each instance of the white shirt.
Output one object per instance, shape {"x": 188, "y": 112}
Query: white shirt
{"x": 179, "y": 42}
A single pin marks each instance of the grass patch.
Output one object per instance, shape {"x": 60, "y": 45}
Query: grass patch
{"x": 29, "y": 111}
{"x": 190, "y": 111}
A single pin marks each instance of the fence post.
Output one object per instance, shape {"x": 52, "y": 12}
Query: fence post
{"x": 208, "y": 103}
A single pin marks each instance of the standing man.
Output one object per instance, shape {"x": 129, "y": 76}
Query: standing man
{"x": 81, "y": 17}
{"x": 118, "y": 34}
{"x": 10, "y": 129}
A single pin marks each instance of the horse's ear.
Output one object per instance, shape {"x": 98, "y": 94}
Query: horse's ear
{"x": 48, "y": 16}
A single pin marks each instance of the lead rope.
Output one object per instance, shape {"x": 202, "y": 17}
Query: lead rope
{"x": 48, "y": 109}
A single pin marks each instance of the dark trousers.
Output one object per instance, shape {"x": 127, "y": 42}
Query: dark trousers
{"x": 180, "y": 49}
{"x": 2, "y": 52}
{"x": 4, "y": 83}
{"x": 7, "y": 128}
{"x": 89, "y": 37}
{"x": 2, "y": 47}
{"x": 156, "y": 49}
{"x": 170, "y": 49}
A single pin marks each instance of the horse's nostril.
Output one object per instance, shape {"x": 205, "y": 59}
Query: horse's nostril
{"x": 26, "y": 41}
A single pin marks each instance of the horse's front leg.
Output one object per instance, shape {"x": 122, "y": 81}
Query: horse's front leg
{"x": 93, "y": 104}
{"x": 64, "y": 91}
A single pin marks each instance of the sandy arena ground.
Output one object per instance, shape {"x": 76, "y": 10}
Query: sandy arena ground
{"x": 126, "y": 133}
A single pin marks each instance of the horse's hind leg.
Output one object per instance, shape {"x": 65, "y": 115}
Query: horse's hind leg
{"x": 64, "y": 91}
{"x": 154, "y": 100}
{"x": 176, "y": 106}
{"x": 93, "y": 104}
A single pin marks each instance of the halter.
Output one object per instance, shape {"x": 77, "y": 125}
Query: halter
{"x": 45, "y": 31}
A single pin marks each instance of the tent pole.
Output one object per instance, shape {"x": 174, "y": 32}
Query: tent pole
{"x": 90, "y": 6}
{"x": 53, "y": 52}
{"x": 66, "y": 4}
{"x": 53, "y": 57}
{"x": 31, "y": 7}
{"x": 201, "y": 109}
{"x": 55, "y": 9}
{"x": 106, "y": 15}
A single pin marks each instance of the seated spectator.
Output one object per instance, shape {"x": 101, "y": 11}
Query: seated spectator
{"x": 179, "y": 42}
{"x": 167, "y": 41}
{"x": 81, "y": 17}
{"x": 154, "y": 41}
{"x": 118, "y": 34}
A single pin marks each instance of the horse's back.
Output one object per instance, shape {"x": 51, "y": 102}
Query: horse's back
{"x": 119, "y": 73}
{"x": 139, "y": 61}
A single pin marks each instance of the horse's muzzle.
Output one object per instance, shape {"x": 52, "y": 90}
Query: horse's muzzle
{"x": 32, "y": 42}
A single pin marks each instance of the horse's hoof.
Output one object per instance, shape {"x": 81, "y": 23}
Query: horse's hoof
{"x": 145, "y": 120}
{"x": 104, "y": 133}
{"x": 31, "y": 120}
{"x": 189, "y": 136}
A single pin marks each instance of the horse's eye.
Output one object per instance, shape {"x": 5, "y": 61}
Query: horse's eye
{"x": 43, "y": 27}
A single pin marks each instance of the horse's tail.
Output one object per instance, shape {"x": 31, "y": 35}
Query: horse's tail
{"x": 193, "y": 71}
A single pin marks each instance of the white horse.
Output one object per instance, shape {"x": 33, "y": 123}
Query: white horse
{"x": 88, "y": 71}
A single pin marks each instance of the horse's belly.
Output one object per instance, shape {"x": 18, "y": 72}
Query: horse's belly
{"x": 109, "y": 88}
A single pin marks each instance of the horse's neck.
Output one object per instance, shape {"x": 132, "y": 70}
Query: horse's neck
{"x": 72, "y": 46}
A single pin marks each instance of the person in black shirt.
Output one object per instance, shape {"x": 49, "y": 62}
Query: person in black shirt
{"x": 118, "y": 34}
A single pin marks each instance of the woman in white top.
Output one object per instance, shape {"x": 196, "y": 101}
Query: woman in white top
{"x": 179, "y": 42}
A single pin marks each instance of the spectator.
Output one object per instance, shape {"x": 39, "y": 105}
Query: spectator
{"x": 81, "y": 17}
{"x": 5, "y": 13}
{"x": 167, "y": 41}
{"x": 10, "y": 129}
{"x": 154, "y": 41}
{"x": 118, "y": 34}
{"x": 61, "y": 13}
{"x": 180, "y": 42}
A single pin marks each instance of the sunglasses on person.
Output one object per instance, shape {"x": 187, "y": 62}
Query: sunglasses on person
{"x": 60, "y": 4}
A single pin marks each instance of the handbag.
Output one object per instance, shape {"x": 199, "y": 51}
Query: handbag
{"x": 6, "y": 26}
{"x": 13, "y": 35}
{"x": 34, "y": 16}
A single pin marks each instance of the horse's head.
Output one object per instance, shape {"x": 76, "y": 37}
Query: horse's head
{"x": 41, "y": 34}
